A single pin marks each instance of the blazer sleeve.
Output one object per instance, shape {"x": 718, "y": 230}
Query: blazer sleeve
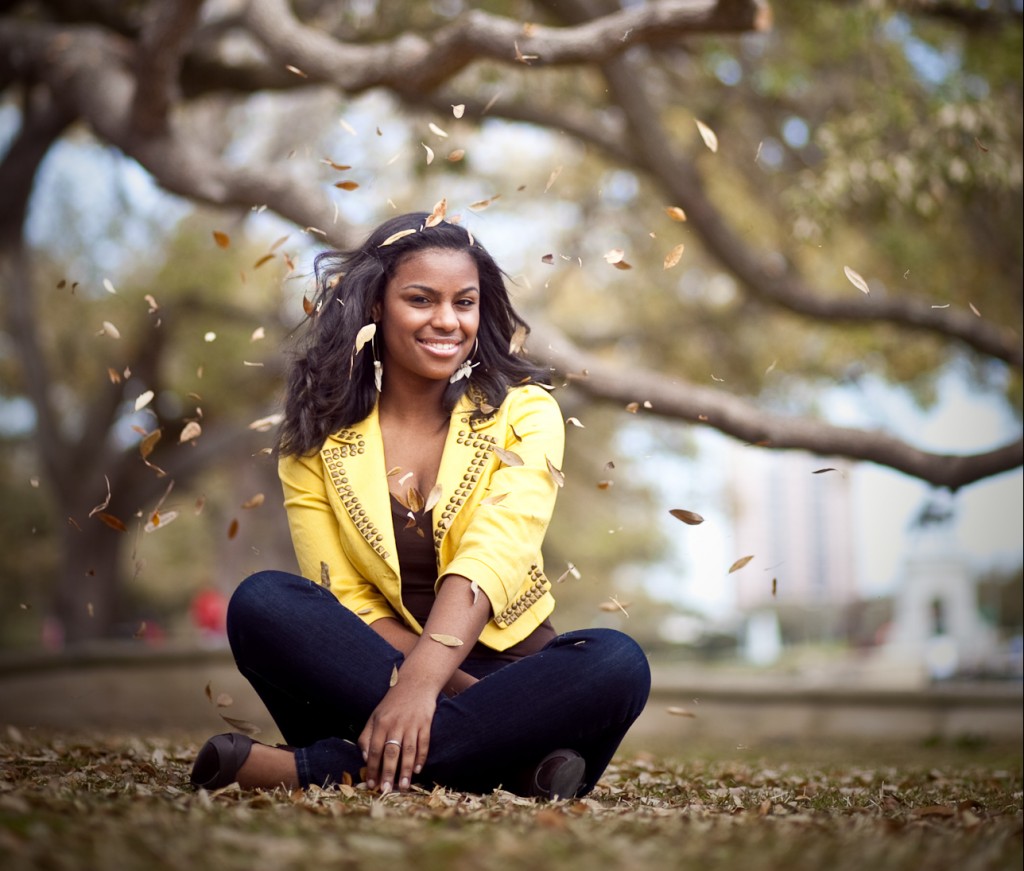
{"x": 316, "y": 537}
{"x": 503, "y": 539}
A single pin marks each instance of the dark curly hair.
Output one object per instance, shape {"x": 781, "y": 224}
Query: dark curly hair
{"x": 329, "y": 387}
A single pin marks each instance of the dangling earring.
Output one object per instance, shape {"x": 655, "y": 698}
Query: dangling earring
{"x": 378, "y": 367}
{"x": 466, "y": 369}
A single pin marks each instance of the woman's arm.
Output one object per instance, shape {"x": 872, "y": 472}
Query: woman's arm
{"x": 405, "y": 713}
{"x": 399, "y": 636}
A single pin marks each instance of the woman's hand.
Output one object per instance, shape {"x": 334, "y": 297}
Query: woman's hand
{"x": 404, "y": 716}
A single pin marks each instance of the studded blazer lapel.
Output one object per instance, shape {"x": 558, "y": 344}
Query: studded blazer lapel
{"x": 354, "y": 459}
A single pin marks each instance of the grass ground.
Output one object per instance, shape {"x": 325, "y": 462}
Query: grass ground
{"x": 122, "y": 802}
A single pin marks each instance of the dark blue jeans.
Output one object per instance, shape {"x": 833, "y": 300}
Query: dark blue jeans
{"x": 321, "y": 671}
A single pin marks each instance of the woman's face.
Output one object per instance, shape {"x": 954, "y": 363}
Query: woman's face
{"x": 430, "y": 315}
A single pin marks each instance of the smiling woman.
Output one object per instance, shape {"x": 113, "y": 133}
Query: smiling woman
{"x": 420, "y": 460}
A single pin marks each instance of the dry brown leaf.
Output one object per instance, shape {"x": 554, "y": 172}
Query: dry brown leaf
{"x": 446, "y": 640}
{"x": 109, "y": 329}
{"x": 690, "y": 517}
{"x": 974, "y": 309}
{"x": 675, "y": 213}
{"x": 341, "y": 167}
{"x": 265, "y": 424}
{"x": 347, "y": 185}
{"x": 614, "y": 604}
{"x": 680, "y": 712}
{"x": 365, "y": 334}
{"x": 158, "y": 520}
{"x": 433, "y": 497}
{"x": 103, "y": 505}
{"x": 822, "y": 471}
{"x": 437, "y": 215}
{"x": 456, "y": 154}
{"x": 518, "y": 340}
{"x": 708, "y": 135}
{"x": 633, "y": 407}
{"x": 254, "y": 502}
{"x": 604, "y": 485}
{"x": 296, "y": 71}
{"x": 233, "y": 529}
{"x": 307, "y": 304}
{"x": 223, "y": 240}
{"x": 494, "y": 500}
{"x": 394, "y": 676}
{"x": 149, "y": 441}
{"x": 394, "y": 237}
{"x": 325, "y": 575}
{"x": 113, "y": 522}
{"x": 414, "y": 499}
{"x": 480, "y": 205}
{"x": 191, "y": 431}
{"x": 509, "y": 458}
{"x": 264, "y": 259}
{"x": 437, "y": 131}
{"x": 856, "y": 280}
{"x": 430, "y": 153}
{"x": 459, "y": 110}
{"x": 674, "y": 256}
{"x": 243, "y": 726}
{"x": 740, "y": 563}
{"x": 575, "y": 421}
{"x": 557, "y": 475}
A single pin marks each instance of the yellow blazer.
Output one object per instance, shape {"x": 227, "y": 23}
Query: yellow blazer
{"x": 488, "y": 525}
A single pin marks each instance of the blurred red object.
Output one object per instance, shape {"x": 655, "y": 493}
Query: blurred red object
{"x": 209, "y": 612}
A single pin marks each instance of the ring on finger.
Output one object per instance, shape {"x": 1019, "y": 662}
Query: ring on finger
{"x": 398, "y": 744}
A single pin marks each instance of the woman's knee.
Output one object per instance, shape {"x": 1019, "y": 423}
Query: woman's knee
{"x": 617, "y": 662}
{"x": 257, "y": 595}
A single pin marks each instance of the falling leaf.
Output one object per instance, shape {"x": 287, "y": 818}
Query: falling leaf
{"x": 394, "y": 237}
{"x": 223, "y": 240}
{"x": 208, "y": 690}
{"x": 974, "y": 309}
{"x": 433, "y": 497}
{"x": 152, "y": 303}
{"x": 143, "y": 399}
{"x": 614, "y": 604}
{"x": 113, "y": 375}
{"x": 557, "y": 475}
{"x": 740, "y": 563}
{"x": 680, "y": 712}
{"x": 604, "y": 485}
{"x": 257, "y": 334}
{"x": 437, "y": 131}
{"x": 856, "y": 280}
{"x": 341, "y": 167}
{"x": 158, "y": 520}
{"x": 103, "y": 505}
{"x": 446, "y": 640}
{"x": 265, "y": 424}
{"x": 633, "y": 407}
{"x": 494, "y": 500}
{"x": 110, "y": 330}
{"x": 575, "y": 422}
{"x": 775, "y": 586}
{"x": 571, "y": 571}
{"x": 551, "y": 178}
{"x": 480, "y": 205}
{"x": 474, "y": 588}
{"x": 456, "y": 154}
{"x": 233, "y": 528}
{"x": 347, "y": 185}
{"x": 307, "y": 304}
{"x": 365, "y": 334}
{"x": 980, "y": 146}
{"x": 414, "y": 499}
{"x": 509, "y": 458}
{"x": 325, "y": 575}
{"x": 437, "y": 215}
{"x": 394, "y": 676}
{"x": 615, "y": 255}
{"x": 243, "y": 726}
{"x": 523, "y": 58}
{"x": 459, "y": 110}
{"x": 112, "y": 521}
{"x": 934, "y": 810}
{"x": 192, "y": 430}
{"x": 515, "y": 346}
{"x": 224, "y": 700}
{"x": 296, "y": 71}
{"x": 708, "y": 135}
{"x": 254, "y": 501}
{"x": 822, "y": 471}
{"x": 210, "y": 337}
{"x": 430, "y": 153}
{"x": 675, "y": 213}
{"x": 674, "y": 256}
{"x": 691, "y": 518}
{"x": 771, "y": 367}
{"x": 548, "y": 259}
{"x": 108, "y": 286}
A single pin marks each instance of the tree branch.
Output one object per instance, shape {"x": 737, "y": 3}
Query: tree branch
{"x": 678, "y": 399}
{"x": 41, "y": 127}
{"x": 777, "y": 285}
{"x": 411, "y": 63}
{"x": 158, "y": 62}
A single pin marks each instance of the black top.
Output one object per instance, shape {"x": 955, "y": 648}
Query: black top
{"x": 418, "y": 563}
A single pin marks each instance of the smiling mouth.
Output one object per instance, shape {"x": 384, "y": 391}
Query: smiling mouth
{"x": 441, "y": 346}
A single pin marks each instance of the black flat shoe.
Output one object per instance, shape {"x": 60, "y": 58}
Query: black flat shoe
{"x": 219, "y": 760}
{"x": 559, "y": 775}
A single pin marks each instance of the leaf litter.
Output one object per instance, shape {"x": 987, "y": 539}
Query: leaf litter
{"x": 92, "y": 801}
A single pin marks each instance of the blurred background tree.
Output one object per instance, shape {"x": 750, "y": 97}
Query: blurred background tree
{"x": 674, "y": 187}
